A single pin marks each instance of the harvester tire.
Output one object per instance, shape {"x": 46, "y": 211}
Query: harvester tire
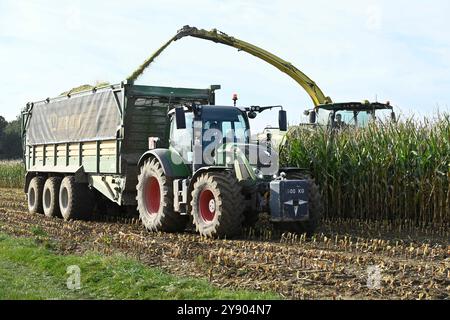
{"x": 50, "y": 197}
{"x": 155, "y": 200}
{"x": 76, "y": 201}
{"x": 217, "y": 205}
{"x": 34, "y": 195}
{"x": 315, "y": 209}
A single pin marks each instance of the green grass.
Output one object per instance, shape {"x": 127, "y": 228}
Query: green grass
{"x": 29, "y": 270}
{"x": 12, "y": 174}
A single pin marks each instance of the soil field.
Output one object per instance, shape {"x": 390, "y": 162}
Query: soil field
{"x": 344, "y": 260}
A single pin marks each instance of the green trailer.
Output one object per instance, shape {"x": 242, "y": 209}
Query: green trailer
{"x": 99, "y": 135}
{"x": 167, "y": 153}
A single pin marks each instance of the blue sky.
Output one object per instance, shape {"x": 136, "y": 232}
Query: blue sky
{"x": 354, "y": 50}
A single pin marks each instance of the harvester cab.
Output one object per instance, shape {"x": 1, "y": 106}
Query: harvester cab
{"x": 350, "y": 114}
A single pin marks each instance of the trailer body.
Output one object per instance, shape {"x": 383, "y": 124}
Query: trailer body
{"x": 99, "y": 135}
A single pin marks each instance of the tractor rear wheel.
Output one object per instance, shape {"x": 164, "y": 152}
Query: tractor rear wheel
{"x": 51, "y": 197}
{"x": 217, "y": 205}
{"x": 155, "y": 200}
{"x": 34, "y": 195}
{"x": 315, "y": 209}
{"x": 76, "y": 201}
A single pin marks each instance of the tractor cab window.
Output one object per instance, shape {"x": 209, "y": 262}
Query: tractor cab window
{"x": 240, "y": 129}
{"x": 181, "y": 139}
{"x": 235, "y": 131}
{"x": 228, "y": 130}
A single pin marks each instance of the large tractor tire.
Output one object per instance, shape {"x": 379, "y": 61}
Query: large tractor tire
{"x": 76, "y": 201}
{"x": 217, "y": 205}
{"x": 34, "y": 195}
{"x": 50, "y": 197}
{"x": 155, "y": 200}
{"x": 315, "y": 209}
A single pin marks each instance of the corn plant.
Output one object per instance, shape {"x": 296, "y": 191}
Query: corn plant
{"x": 394, "y": 172}
{"x": 12, "y": 174}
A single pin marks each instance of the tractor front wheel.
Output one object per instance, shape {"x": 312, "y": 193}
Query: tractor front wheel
{"x": 217, "y": 205}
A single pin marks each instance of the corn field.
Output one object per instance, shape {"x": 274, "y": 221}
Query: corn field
{"x": 387, "y": 172}
{"x": 393, "y": 172}
{"x": 12, "y": 174}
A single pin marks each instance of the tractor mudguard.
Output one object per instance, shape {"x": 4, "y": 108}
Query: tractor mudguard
{"x": 171, "y": 162}
{"x": 204, "y": 170}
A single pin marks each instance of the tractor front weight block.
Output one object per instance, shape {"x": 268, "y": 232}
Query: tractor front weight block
{"x": 289, "y": 200}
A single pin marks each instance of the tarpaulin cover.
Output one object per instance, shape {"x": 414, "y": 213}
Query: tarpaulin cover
{"x": 79, "y": 118}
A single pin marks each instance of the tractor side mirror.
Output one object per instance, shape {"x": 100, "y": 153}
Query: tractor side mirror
{"x": 180, "y": 118}
{"x": 312, "y": 116}
{"x": 282, "y": 120}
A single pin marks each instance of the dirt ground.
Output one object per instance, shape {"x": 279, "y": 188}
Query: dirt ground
{"x": 344, "y": 260}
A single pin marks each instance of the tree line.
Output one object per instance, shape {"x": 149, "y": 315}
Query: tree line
{"x": 10, "y": 139}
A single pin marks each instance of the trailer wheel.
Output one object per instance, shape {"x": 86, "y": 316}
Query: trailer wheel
{"x": 155, "y": 200}
{"x": 50, "y": 197}
{"x": 217, "y": 205}
{"x": 76, "y": 201}
{"x": 34, "y": 195}
{"x": 315, "y": 209}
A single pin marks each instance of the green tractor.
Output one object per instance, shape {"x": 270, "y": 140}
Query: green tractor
{"x": 212, "y": 172}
